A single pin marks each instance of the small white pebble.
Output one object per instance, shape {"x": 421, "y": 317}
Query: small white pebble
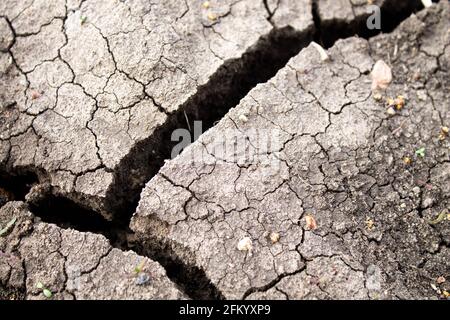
{"x": 391, "y": 111}
{"x": 323, "y": 54}
{"x": 427, "y": 3}
{"x": 403, "y": 205}
{"x": 421, "y": 94}
{"x": 274, "y": 237}
{"x": 245, "y": 244}
{"x": 243, "y": 118}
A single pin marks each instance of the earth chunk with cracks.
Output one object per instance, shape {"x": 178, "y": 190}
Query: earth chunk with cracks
{"x": 355, "y": 220}
{"x": 71, "y": 264}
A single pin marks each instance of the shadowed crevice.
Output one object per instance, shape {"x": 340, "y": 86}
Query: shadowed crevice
{"x": 393, "y": 12}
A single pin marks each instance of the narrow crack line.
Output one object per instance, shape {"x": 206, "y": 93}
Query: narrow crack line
{"x": 273, "y": 283}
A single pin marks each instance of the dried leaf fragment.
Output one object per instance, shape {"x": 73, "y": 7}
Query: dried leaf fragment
{"x": 381, "y": 75}
{"x": 399, "y": 102}
{"x": 206, "y": 4}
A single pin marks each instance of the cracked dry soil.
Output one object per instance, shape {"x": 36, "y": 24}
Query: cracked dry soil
{"x": 341, "y": 204}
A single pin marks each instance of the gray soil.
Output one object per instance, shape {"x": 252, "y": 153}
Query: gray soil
{"x": 350, "y": 199}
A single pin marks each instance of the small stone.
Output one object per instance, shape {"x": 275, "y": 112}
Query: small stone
{"x": 403, "y": 205}
{"x": 428, "y": 202}
{"x": 274, "y": 237}
{"x": 370, "y": 224}
{"x": 416, "y": 190}
{"x": 243, "y": 118}
{"x": 211, "y": 16}
{"x": 381, "y": 75}
{"x": 377, "y": 97}
{"x": 421, "y": 94}
{"x": 433, "y": 286}
{"x": 35, "y": 95}
{"x": 391, "y": 111}
{"x": 407, "y": 160}
{"x": 245, "y": 244}
{"x": 206, "y": 4}
{"x": 323, "y": 54}
{"x": 311, "y": 223}
{"x": 142, "y": 279}
{"x": 440, "y": 280}
{"x": 444, "y": 133}
{"x": 427, "y": 3}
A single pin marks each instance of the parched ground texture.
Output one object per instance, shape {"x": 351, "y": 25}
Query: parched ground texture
{"x": 349, "y": 199}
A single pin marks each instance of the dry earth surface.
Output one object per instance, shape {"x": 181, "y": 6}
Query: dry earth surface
{"x": 349, "y": 199}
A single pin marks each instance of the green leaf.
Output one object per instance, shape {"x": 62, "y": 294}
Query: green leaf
{"x": 138, "y": 268}
{"x": 420, "y": 152}
{"x": 47, "y": 293}
{"x": 8, "y": 226}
